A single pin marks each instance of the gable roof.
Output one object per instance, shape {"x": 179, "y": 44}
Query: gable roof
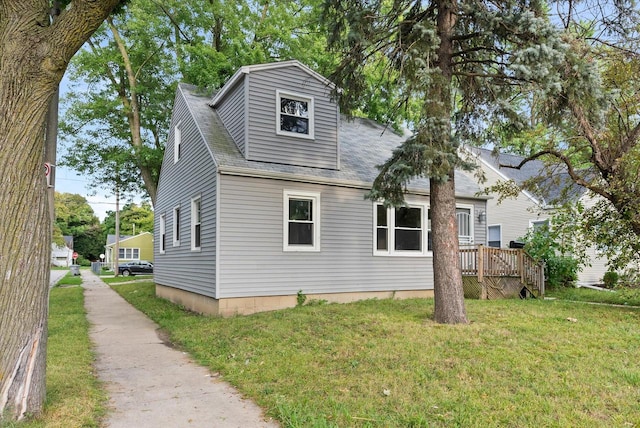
{"x": 111, "y": 239}
{"x": 363, "y": 144}
{"x": 247, "y": 69}
{"x": 555, "y": 185}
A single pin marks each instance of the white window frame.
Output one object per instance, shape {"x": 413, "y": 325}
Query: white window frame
{"x": 176, "y": 226}
{"x": 540, "y": 220}
{"x": 315, "y": 215}
{"x": 298, "y": 97}
{"x": 391, "y": 215}
{"x": 177, "y": 142}
{"x": 471, "y": 236}
{"x": 500, "y": 231}
{"x": 163, "y": 233}
{"x": 128, "y": 252}
{"x": 196, "y": 220}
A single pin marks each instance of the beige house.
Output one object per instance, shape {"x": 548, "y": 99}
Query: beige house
{"x": 510, "y": 219}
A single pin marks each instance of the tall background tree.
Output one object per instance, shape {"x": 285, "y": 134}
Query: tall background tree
{"x": 454, "y": 66}
{"x": 124, "y": 81}
{"x": 589, "y": 129}
{"x": 75, "y": 217}
{"x": 134, "y": 219}
{"x": 33, "y": 57}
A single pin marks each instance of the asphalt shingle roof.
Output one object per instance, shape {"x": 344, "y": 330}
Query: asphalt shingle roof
{"x": 363, "y": 145}
{"x": 553, "y": 186}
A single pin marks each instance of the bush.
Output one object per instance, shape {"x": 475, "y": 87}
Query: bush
{"x": 560, "y": 270}
{"x": 610, "y": 279}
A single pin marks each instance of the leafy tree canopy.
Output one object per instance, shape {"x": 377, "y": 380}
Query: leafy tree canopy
{"x": 124, "y": 80}
{"x": 134, "y": 219}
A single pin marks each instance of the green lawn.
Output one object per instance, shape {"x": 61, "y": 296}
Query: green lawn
{"x": 74, "y": 396}
{"x": 385, "y": 364}
{"x": 622, "y": 296}
{"x": 117, "y": 279}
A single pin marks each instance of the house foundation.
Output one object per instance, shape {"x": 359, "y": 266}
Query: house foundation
{"x": 250, "y": 305}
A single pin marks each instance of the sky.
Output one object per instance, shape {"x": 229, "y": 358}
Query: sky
{"x": 68, "y": 181}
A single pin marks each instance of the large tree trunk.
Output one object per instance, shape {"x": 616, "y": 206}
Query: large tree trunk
{"x": 447, "y": 276}
{"x": 25, "y": 240}
{"x": 33, "y": 58}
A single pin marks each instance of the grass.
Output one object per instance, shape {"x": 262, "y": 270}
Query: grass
{"x": 385, "y": 364}
{"x": 69, "y": 280}
{"x": 75, "y": 398}
{"x": 118, "y": 279}
{"x": 621, "y": 296}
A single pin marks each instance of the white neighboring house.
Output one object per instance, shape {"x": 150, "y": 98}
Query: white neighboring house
{"x": 62, "y": 255}
{"x": 510, "y": 219}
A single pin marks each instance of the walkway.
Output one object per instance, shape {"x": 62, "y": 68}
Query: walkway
{"x": 150, "y": 384}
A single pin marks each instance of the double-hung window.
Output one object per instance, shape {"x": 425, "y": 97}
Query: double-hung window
{"x": 163, "y": 233}
{"x": 129, "y": 253}
{"x": 196, "y": 224}
{"x": 294, "y": 115}
{"x": 401, "y": 230}
{"x": 176, "y": 227}
{"x": 301, "y": 221}
{"x": 494, "y": 238}
{"x": 177, "y": 142}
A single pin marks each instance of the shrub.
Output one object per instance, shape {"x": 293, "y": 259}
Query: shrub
{"x": 610, "y": 279}
{"x": 561, "y": 269}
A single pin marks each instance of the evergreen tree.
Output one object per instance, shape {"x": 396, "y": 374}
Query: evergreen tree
{"x": 460, "y": 64}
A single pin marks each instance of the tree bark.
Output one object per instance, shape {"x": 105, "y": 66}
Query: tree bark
{"x": 132, "y": 108}
{"x": 447, "y": 276}
{"x": 33, "y": 58}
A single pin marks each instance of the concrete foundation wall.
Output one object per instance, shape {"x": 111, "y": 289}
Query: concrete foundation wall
{"x": 250, "y": 305}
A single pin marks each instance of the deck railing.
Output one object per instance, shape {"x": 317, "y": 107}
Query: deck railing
{"x": 484, "y": 261}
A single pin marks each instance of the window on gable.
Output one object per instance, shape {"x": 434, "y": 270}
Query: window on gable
{"x": 163, "y": 234}
{"x": 196, "y": 224}
{"x": 539, "y": 225}
{"x": 301, "y": 221}
{"x": 401, "y": 231}
{"x": 176, "y": 226}
{"x": 294, "y": 115}
{"x": 177, "y": 142}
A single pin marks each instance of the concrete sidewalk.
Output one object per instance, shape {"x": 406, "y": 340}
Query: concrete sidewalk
{"x": 150, "y": 384}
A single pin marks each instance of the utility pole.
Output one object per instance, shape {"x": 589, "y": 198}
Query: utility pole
{"x": 51, "y": 136}
{"x": 117, "y": 245}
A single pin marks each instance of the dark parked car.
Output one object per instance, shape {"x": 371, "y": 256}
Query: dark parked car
{"x": 140, "y": 267}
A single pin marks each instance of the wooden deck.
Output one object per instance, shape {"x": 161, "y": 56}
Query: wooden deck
{"x": 491, "y": 273}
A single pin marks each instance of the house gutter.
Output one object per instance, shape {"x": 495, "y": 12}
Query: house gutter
{"x": 352, "y": 184}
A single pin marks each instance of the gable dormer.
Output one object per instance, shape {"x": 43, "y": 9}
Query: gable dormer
{"x": 281, "y": 113}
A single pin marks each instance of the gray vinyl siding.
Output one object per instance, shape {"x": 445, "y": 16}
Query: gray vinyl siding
{"x": 253, "y": 263}
{"x": 232, "y": 114}
{"x": 266, "y": 145}
{"x": 193, "y": 175}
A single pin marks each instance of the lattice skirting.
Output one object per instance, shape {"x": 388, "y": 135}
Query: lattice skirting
{"x": 493, "y": 287}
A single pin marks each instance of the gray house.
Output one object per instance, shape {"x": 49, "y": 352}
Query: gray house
{"x": 261, "y": 195}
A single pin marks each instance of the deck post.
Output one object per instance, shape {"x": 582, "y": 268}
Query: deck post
{"x": 521, "y": 265}
{"x": 480, "y": 263}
